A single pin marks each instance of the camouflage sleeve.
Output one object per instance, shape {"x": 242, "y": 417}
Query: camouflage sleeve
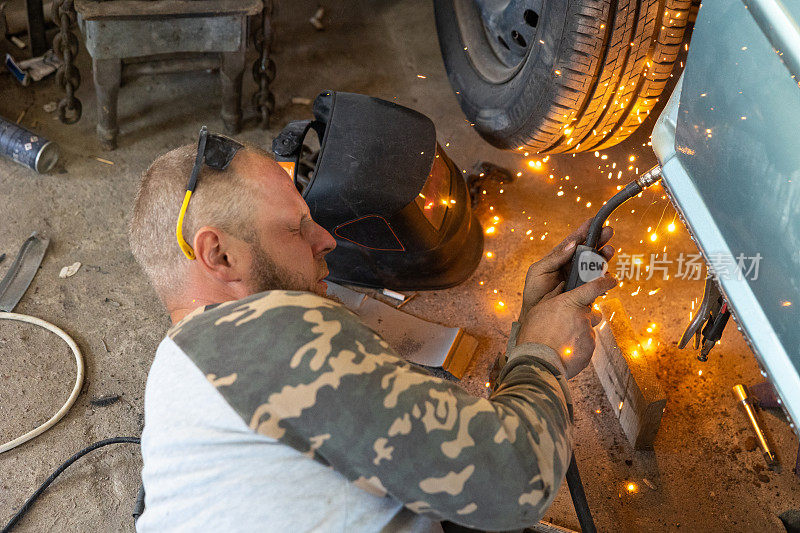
{"x": 305, "y": 371}
{"x": 545, "y": 356}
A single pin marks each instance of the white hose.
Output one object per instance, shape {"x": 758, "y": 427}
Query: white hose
{"x": 75, "y": 390}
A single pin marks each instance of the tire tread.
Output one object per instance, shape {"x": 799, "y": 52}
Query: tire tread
{"x": 613, "y": 62}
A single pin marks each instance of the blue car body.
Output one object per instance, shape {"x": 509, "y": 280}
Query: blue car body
{"x": 729, "y": 144}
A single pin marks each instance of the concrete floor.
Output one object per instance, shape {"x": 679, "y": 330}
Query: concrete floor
{"x": 704, "y": 473}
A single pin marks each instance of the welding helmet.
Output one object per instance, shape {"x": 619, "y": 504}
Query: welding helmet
{"x": 397, "y": 206}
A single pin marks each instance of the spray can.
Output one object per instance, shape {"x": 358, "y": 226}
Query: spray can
{"x": 27, "y": 148}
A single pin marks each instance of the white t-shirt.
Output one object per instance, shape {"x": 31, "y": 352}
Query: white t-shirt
{"x": 205, "y": 470}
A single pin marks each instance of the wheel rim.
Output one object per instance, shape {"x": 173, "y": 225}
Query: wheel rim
{"x": 498, "y": 35}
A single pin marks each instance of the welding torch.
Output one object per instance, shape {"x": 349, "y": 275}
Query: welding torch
{"x": 586, "y": 259}
{"x": 588, "y": 264}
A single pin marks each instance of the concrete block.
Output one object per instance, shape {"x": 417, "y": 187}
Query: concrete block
{"x": 627, "y": 376}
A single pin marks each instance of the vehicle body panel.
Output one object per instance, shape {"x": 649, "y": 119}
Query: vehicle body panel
{"x": 729, "y": 144}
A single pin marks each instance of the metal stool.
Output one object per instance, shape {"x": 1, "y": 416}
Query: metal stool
{"x": 128, "y": 38}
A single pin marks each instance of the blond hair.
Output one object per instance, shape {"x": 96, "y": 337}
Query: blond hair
{"x": 222, "y": 199}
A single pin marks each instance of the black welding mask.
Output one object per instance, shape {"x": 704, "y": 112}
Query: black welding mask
{"x": 382, "y": 186}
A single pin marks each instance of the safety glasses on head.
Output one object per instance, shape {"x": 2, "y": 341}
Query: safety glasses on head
{"x": 216, "y": 151}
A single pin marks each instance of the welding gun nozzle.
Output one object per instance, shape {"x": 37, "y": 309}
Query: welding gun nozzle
{"x": 632, "y": 189}
{"x": 650, "y": 177}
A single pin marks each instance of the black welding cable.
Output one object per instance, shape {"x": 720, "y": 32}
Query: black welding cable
{"x": 30, "y": 501}
{"x": 630, "y": 190}
{"x": 644, "y": 181}
{"x": 592, "y": 239}
{"x": 578, "y": 496}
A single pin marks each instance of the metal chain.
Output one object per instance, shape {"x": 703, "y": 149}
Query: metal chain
{"x": 264, "y": 68}
{"x": 66, "y": 47}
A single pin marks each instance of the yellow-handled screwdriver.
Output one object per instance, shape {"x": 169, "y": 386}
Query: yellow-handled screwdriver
{"x": 749, "y": 410}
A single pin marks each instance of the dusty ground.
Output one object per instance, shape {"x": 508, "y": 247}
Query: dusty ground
{"x": 704, "y": 474}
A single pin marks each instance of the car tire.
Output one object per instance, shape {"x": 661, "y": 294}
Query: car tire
{"x": 592, "y": 70}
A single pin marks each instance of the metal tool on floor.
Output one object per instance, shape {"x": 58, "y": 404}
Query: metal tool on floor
{"x": 27, "y": 148}
{"x": 709, "y": 322}
{"x": 414, "y": 339}
{"x": 587, "y": 264}
{"x": 22, "y": 270}
{"x": 750, "y": 411}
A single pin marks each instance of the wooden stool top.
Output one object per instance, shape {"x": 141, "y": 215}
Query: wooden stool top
{"x": 94, "y": 10}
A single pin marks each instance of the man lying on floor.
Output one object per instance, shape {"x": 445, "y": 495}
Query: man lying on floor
{"x": 272, "y": 408}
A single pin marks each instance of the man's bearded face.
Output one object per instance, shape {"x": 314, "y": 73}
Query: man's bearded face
{"x": 287, "y": 247}
{"x": 267, "y": 274}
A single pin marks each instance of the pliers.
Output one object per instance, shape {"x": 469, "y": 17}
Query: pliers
{"x": 709, "y": 322}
